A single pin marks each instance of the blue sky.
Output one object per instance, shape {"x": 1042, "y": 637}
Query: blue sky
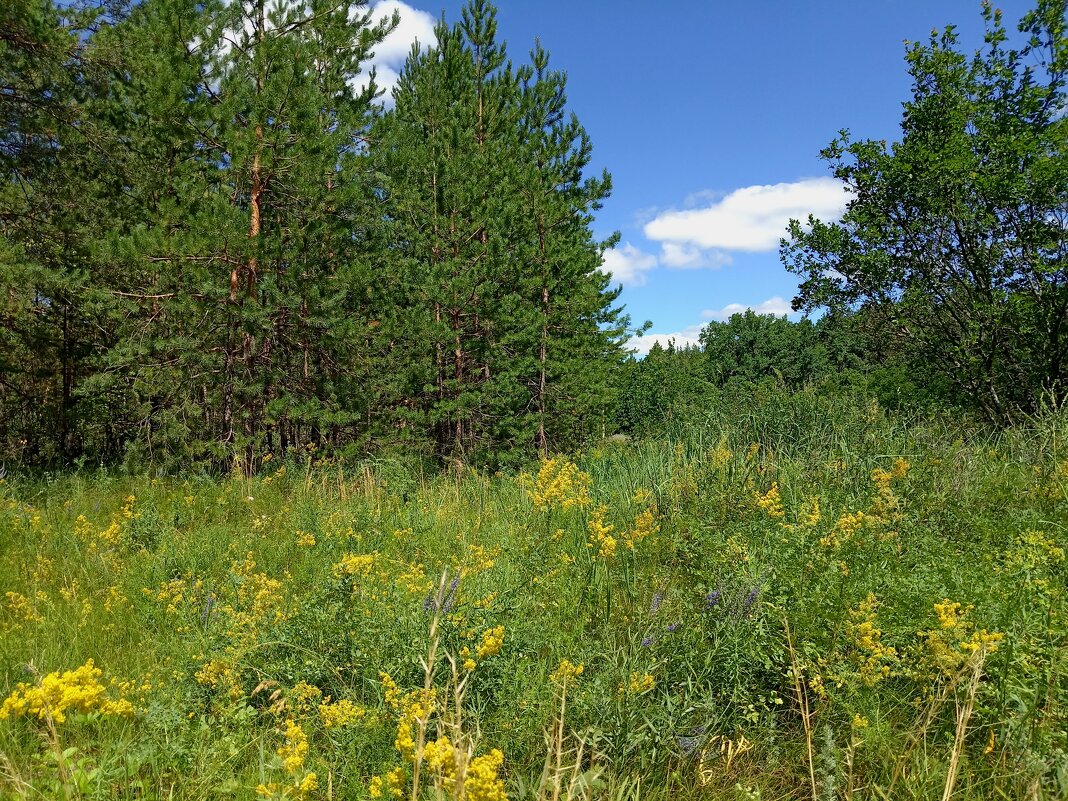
{"x": 710, "y": 116}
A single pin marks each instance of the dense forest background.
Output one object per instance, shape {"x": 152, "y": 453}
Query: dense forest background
{"x": 216, "y": 246}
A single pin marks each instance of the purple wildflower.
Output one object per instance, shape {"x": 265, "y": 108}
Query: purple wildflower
{"x": 209, "y": 604}
{"x": 450, "y": 596}
{"x": 658, "y": 599}
{"x": 750, "y": 599}
{"x": 647, "y": 641}
{"x": 712, "y": 599}
{"x": 672, "y": 628}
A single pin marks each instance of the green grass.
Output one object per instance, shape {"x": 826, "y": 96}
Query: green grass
{"x": 212, "y": 572}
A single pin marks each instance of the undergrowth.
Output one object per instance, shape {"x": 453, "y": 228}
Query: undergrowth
{"x": 802, "y": 600}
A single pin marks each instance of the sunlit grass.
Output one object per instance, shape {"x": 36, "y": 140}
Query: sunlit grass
{"x": 229, "y": 611}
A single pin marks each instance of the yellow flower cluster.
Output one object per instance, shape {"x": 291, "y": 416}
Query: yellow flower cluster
{"x": 886, "y": 507}
{"x": 292, "y": 753}
{"x": 414, "y": 579}
{"x": 340, "y": 713}
{"x": 22, "y": 608}
{"x": 413, "y": 707}
{"x": 440, "y": 755}
{"x": 1034, "y": 552}
{"x": 721, "y": 455}
{"x": 115, "y": 600}
{"x": 566, "y": 672}
{"x": 220, "y": 674}
{"x": 394, "y": 783}
{"x": 883, "y": 512}
{"x": 845, "y": 529}
{"x": 305, "y": 539}
{"x": 258, "y": 600}
{"x": 480, "y": 777}
{"x": 482, "y": 782}
{"x": 560, "y": 483}
{"x": 770, "y": 503}
{"x": 295, "y": 749}
{"x": 58, "y": 693}
{"x": 645, "y": 526}
{"x": 303, "y": 696}
{"x": 492, "y": 640}
{"x": 355, "y": 565}
{"x": 601, "y": 533}
{"x": 874, "y": 659}
{"x": 956, "y": 638}
{"x": 172, "y": 593}
{"x": 639, "y": 683}
{"x": 808, "y": 516}
{"x": 113, "y": 534}
{"x": 392, "y": 692}
{"x": 476, "y": 559}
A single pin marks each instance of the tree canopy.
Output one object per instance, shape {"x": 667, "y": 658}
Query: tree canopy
{"x": 956, "y": 236}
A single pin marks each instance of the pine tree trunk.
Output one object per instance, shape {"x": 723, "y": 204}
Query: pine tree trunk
{"x": 252, "y": 265}
{"x": 458, "y": 375}
{"x": 543, "y": 444}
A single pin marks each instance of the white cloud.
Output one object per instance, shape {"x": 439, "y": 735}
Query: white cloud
{"x": 750, "y": 219}
{"x": 627, "y": 264}
{"x": 683, "y": 256}
{"x": 391, "y": 53}
{"x": 776, "y": 306}
{"x": 641, "y": 345}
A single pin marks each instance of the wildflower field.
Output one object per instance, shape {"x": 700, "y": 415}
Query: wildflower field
{"x": 793, "y": 598}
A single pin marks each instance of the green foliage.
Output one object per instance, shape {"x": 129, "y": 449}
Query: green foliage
{"x": 785, "y": 552}
{"x": 217, "y": 247}
{"x": 491, "y": 221}
{"x": 954, "y": 240}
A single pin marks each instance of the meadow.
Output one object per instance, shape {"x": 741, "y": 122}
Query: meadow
{"x": 785, "y": 597}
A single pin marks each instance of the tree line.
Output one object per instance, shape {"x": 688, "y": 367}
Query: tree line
{"x": 215, "y": 245}
{"x": 945, "y": 282}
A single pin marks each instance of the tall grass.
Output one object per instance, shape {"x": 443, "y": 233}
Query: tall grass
{"x": 735, "y": 641}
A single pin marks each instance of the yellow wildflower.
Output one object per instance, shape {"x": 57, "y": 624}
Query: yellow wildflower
{"x": 482, "y": 782}
{"x": 873, "y": 658}
{"x": 440, "y": 755}
{"x": 645, "y": 526}
{"x": 492, "y": 640}
{"x": 58, "y": 693}
{"x": 22, "y": 608}
{"x": 771, "y": 502}
{"x": 639, "y": 683}
{"x": 355, "y": 565}
{"x": 560, "y": 483}
{"x": 721, "y": 455}
{"x": 395, "y": 782}
{"x": 295, "y": 749}
{"x": 340, "y": 713}
{"x": 566, "y": 672}
{"x": 601, "y": 533}
{"x": 303, "y": 695}
{"x": 392, "y": 691}
{"x": 374, "y": 789}
{"x": 956, "y": 638}
{"x": 845, "y": 529}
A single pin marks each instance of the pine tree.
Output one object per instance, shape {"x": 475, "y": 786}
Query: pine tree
{"x": 579, "y": 332}
{"x": 491, "y": 215}
{"x": 57, "y": 190}
{"x": 246, "y": 285}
